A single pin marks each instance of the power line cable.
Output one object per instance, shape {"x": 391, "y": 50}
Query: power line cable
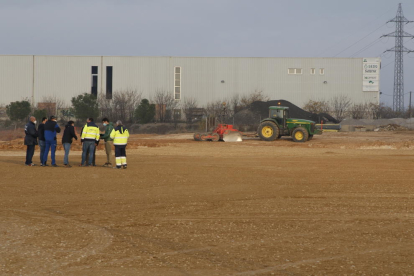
{"x": 382, "y": 54}
{"x": 393, "y": 95}
{"x": 346, "y": 38}
{"x": 360, "y": 40}
{"x": 366, "y": 47}
{"x": 382, "y": 67}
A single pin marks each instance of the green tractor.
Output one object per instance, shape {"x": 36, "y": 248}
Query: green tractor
{"x": 279, "y": 124}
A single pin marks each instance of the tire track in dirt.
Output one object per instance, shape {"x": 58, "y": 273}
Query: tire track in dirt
{"x": 217, "y": 250}
{"x": 314, "y": 260}
{"x": 31, "y": 241}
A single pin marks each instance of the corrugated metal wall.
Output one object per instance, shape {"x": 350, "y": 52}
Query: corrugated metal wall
{"x": 63, "y": 76}
{"x": 206, "y": 79}
{"x": 143, "y": 74}
{"x": 16, "y": 78}
{"x": 202, "y": 78}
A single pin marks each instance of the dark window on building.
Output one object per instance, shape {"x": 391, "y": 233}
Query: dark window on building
{"x": 94, "y": 86}
{"x": 94, "y": 89}
{"x": 109, "y": 82}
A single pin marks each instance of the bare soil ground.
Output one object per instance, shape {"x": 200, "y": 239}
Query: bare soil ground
{"x": 341, "y": 204}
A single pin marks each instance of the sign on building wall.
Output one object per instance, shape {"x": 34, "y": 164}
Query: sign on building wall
{"x": 370, "y": 74}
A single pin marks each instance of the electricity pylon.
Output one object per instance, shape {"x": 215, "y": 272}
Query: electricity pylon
{"x": 399, "y": 49}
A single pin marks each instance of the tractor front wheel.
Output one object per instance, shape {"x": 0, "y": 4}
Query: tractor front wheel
{"x": 300, "y": 134}
{"x": 268, "y": 131}
{"x": 215, "y": 137}
{"x": 310, "y": 137}
{"x": 197, "y": 136}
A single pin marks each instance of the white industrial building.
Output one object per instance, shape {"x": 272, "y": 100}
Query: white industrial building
{"x": 206, "y": 79}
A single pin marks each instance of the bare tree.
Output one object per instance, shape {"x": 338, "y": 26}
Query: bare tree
{"x": 214, "y": 108}
{"x": 386, "y": 112}
{"x": 124, "y": 103}
{"x": 56, "y": 106}
{"x": 255, "y": 96}
{"x": 164, "y": 105}
{"x": 52, "y": 105}
{"x": 380, "y": 111}
{"x": 339, "y": 106}
{"x": 233, "y": 104}
{"x": 121, "y": 106}
{"x": 220, "y": 110}
{"x": 189, "y": 105}
{"x": 375, "y": 110}
{"x": 318, "y": 106}
{"x": 106, "y": 108}
{"x": 359, "y": 111}
{"x": 176, "y": 117}
{"x": 3, "y": 114}
{"x": 171, "y": 105}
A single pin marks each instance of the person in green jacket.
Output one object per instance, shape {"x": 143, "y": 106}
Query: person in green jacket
{"x": 108, "y": 141}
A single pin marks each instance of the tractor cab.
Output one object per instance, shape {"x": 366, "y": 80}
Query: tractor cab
{"x": 279, "y": 113}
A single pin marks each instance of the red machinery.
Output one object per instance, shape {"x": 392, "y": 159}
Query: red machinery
{"x": 222, "y": 132}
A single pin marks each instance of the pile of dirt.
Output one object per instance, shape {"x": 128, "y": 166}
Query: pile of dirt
{"x": 7, "y": 135}
{"x": 392, "y": 127}
{"x": 246, "y": 120}
{"x": 262, "y": 109}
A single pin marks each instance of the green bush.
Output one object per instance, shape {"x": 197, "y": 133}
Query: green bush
{"x": 18, "y": 111}
{"x": 39, "y": 114}
{"x": 85, "y": 106}
{"x": 145, "y": 112}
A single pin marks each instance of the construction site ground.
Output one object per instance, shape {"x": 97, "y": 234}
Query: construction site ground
{"x": 340, "y": 204}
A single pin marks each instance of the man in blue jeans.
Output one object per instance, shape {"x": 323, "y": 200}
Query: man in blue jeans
{"x": 51, "y": 128}
{"x": 68, "y": 134}
{"x": 90, "y": 137}
{"x": 42, "y": 143}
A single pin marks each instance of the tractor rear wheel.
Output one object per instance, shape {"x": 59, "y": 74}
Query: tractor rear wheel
{"x": 268, "y": 131}
{"x": 300, "y": 134}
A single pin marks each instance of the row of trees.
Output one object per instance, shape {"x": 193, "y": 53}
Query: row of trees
{"x": 129, "y": 107}
{"x": 342, "y": 106}
{"x": 234, "y": 104}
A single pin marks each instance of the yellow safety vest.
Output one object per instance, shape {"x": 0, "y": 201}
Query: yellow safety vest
{"x": 120, "y": 135}
{"x": 90, "y": 133}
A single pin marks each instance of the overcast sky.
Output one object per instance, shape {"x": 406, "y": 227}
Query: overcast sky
{"x": 223, "y": 28}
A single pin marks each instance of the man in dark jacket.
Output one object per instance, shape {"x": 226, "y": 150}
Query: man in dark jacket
{"x": 68, "y": 135}
{"x": 51, "y": 128}
{"x": 30, "y": 140}
{"x": 42, "y": 143}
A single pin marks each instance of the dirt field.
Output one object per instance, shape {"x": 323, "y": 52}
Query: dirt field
{"x": 341, "y": 204}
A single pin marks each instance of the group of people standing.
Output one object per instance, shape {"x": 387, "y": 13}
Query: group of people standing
{"x": 90, "y": 136}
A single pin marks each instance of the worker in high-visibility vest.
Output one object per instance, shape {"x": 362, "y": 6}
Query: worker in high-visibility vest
{"x": 120, "y": 135}
{"x": 90, "y": 139}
